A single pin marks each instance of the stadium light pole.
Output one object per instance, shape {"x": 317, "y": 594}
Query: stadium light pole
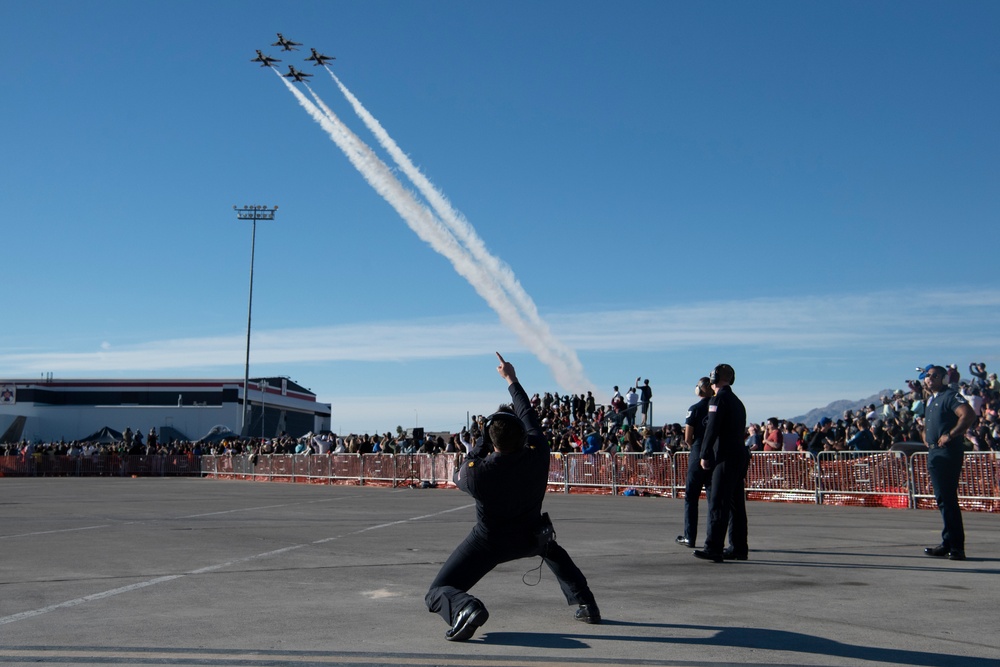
{"x": 253, "y": 213}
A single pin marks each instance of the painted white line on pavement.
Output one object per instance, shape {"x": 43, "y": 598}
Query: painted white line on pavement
{"x": 4, "y": 620}
{"x": 49, "y": 532}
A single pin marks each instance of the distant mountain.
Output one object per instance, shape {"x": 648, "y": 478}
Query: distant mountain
{"x": 836, "y": 409}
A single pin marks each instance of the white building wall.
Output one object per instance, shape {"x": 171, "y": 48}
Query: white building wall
{"x": 47, "y": 423}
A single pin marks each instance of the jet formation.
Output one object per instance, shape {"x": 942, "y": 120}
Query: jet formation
{"x": 316, "y": 58}
{"x": 286, "y": 44}
{"x": 293, "y": 73}
{"x": 265, "y": 61}
{"x": 319, "y": 58}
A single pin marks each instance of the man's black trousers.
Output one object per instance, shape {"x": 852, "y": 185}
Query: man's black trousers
{"x": 727, "y": 507}
{"x": 697, "y": 479}
{"x": 944, "y": 465}
{"x": 480, "y": 552}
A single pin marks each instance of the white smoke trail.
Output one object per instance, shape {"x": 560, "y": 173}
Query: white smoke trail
{"x": 430, "y": 230}
{"x": 466, "y": 234}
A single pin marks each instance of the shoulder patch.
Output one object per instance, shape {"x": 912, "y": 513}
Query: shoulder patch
{"x": 472, "y": 463}
{"x": 713, "y": 408}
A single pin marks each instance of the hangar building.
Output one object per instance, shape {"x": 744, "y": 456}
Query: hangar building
{"x": 50, "y": 410}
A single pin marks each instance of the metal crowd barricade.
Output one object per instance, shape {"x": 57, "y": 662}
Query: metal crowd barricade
{"x": 379, "y": 469}
{"x": 99, "y": 465}
{"x": 978, "y": 487}
{"x": 282, "y": 468}
{"x": 784, "y": 476}
{"x": 647, "y": 474}
{"x": 679, "y": 465}
{"x": 242, "y": 466}
{"x": 874, "y": 479}
{"x": 405, "y": 469}
{"x": 886, "y": 479}
{"x": 345, "y": 468}
{"x": 321, "y": 467}
{"x": 443, "y": 468}
{"x": 558, "y": 479}
{"x": 590, "y": 473}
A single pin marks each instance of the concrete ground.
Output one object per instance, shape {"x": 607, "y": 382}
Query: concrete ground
{"x": 187, "y": 571}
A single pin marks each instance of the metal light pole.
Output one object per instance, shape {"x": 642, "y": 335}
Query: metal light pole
{"x": 253, "y": 213}
{"x": 263, "y": 394}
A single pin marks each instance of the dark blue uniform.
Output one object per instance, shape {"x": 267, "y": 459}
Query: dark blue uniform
{"x": 944, "y": 464}
{"x": 697, "y": 479}
{"x": 728, "y": 458}
{"x": 509, "y": 489}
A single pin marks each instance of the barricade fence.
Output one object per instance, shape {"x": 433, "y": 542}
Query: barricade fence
{"x": 100, "y": 465}
{"x": 878, "y": 479}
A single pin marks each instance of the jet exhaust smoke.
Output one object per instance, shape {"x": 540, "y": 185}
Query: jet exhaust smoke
{"x": 491, "y": 278}
{"x": 466, "y": 235}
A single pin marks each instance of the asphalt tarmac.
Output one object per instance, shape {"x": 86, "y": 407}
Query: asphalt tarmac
{"x": 187, "y": 571}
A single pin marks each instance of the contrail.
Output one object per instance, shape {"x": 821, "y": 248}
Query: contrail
{"x": 430, "y": 230}
{"x": 466, "y": 234}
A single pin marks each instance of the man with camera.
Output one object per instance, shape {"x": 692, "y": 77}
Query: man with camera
{"x": 506, "y": 472}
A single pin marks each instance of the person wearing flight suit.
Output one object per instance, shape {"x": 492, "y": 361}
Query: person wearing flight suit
{"x": 697, "y": 479}
{"x": 506, "y": 472}
{"x": 725, "y": 455}
{"x": 947, "y": 417}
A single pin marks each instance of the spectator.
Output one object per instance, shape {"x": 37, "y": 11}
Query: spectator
{"x": 978, "y": 372}
{"x": 863, "y": 440}
{"x": 631, "y": 406}
{"x": 773, "y": 440}
{"x": 974, "y": 398}
{"x": 789, "y": 438}
{"x": 593, "y": 443}
{"x": 646, "y": 398}
{"x": 653, "y": 444}
{"x": 819, "y": 440}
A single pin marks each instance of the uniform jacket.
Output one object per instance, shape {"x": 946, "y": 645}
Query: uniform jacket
{"x": 508, "y": 488}
{"x": 724, "y": 433}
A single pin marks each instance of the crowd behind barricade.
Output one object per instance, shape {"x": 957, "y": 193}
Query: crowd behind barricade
{"x": 579, "y": 424}
{"x": 131, "y": 443}
{"x": 896, "y": 420}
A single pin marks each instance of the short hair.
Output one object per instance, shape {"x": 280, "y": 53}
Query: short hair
{"x": 505, "y": 429}
{"x": 704, "y": 387}
{"x": 723, "y": 372}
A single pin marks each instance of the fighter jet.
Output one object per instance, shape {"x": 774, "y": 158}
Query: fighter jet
{"x": 286, "y": 44}
{"x": 293, "y": 73}
{"x": 319, "y": 58}
{"x": 265, "y": 61}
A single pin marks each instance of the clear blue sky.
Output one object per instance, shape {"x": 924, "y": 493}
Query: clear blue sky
{"x": 805, "y": 190}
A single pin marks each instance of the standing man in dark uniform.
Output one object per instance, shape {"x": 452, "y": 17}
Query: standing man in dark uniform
{"x": 697, "y": 479}
{"x": 724, "y": 453}
{"x": 506, "y": 472}
{"x": 946, "y": 419}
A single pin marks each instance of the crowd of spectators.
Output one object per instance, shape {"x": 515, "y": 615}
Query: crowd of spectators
{"x": 897, "y": 421}
{"x": 579, "y": 424}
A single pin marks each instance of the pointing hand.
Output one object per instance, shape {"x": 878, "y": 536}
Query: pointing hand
{"x": 506, "y": 370}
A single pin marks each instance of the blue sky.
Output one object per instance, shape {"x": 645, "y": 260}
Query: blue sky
{"x": 807, "y": 191}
